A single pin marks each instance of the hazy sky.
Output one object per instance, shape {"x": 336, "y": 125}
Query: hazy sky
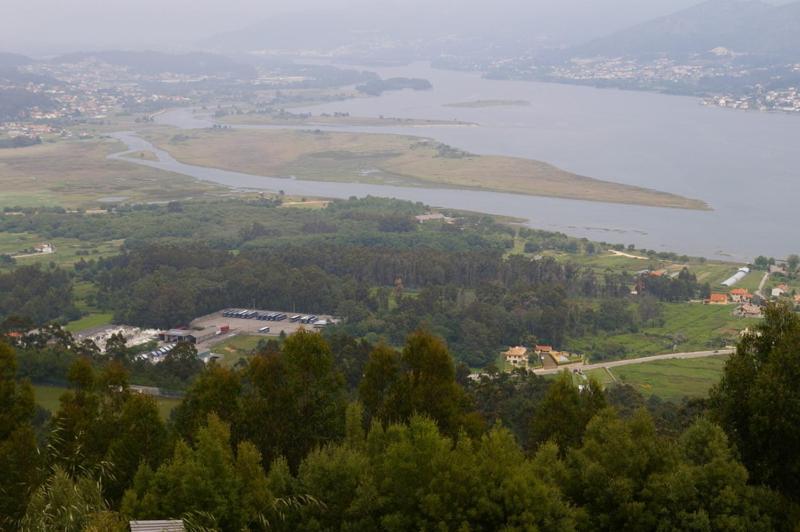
{"x": 48, "y": 26}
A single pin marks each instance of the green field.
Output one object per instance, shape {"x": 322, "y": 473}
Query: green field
{"x": 696, "y": 327}
{"x": 711, "y": 272}
{"x": 89, "y": 322}
{"x": 78, "y": 173}
{"x": 673, "y": 379}
{"x": 48, "y": 398}
{"x": 68, "y": 251}
{"x": 236, "y": 348}
{"x": 600, "y": 375}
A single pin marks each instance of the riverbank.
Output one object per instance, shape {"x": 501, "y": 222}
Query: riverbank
{"x": 334, "y": 120}
{"x": 399, "y": 160}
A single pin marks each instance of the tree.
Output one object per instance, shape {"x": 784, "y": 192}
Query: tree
{"x": 293, "y": 401}
{"x": 141, "y": 438}
{"x": 651, "y": 311}
{"x": 217, "y": 391}
{"x": 419, "y": 380}
{"x": 792, "y": 262}
{"x": 116, "y": 346}
{"x": 206, "y": 483}
{"x": 67, "y": 504}
{"x": 757, "y": 401}
{"x": 709, "y": 488}
{"x": 761, "y": 262}
{"x": 19, "y": 455}
{"x": 564, "y": 412}
{"x": 182, "y": 361}
{"x": 607, "y": 474}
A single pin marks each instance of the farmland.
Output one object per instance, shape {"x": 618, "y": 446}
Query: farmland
{"x": 686, "y": 327}
{"x": 673, "y": 379}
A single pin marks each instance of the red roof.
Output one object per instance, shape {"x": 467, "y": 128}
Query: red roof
{"x": 740, "y": 292}
{"x": 718, "y": 298}
{"x": 545, "y": 348}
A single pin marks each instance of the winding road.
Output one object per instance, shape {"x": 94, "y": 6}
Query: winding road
{"x": 643, "y": 360}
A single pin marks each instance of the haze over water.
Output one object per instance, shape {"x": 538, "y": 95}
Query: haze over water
{"x": 743, "y": 164}
{"x": 746, "y": 165}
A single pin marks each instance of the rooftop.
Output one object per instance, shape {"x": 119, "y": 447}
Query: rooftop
{"x": 157, "y": 526}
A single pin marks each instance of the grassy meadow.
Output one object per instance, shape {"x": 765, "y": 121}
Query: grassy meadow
{"x": 672, "y": 380}
{"x": 78, "y": 174}
{"x": 697, "y": 327}
{"x": 392, "y": 159}
{"x": 48, "y": 396}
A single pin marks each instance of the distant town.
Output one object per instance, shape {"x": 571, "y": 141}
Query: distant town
{"x": 718, "y": 77}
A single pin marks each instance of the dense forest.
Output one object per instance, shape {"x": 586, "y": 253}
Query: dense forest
{"x": 291, "y": 441}
{"x": 367, "y": 261}
{"x": 378, "y": 423}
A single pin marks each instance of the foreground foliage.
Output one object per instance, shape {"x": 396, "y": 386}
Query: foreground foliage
{"x": 279, "y": 445}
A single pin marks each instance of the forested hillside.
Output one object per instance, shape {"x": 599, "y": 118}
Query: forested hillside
{"x": 479, "y": 284}
{"x": 287, "y": 443}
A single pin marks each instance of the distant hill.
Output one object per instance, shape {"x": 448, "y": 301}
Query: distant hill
{"x": 426, "y": 28}
{"x": 151, "y": 63}
{"x": 16, "y": 76}
{"x": 9, "y": 60}
{"x": 746, "y": 26}
{"x": 16, "y": 103}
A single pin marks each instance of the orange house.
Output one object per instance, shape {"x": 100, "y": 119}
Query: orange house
{"x": 718, "y": 299}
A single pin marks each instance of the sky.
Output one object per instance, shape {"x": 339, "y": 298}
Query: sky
{"x": 52, "y": 26}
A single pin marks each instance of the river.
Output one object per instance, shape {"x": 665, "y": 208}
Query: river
{"x": 744, "y": 164}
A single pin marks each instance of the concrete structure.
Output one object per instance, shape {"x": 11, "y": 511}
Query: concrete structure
{"x": 434, "y": 216}
{"x": 174, "y": 336}
{"x": 748, "y": 310}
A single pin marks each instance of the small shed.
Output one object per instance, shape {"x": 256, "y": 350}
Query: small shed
{"x": 174, "y": 336}
{"x": 157, "y": 526}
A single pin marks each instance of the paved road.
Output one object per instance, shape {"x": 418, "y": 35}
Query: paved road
{"x": 643, "y": 360}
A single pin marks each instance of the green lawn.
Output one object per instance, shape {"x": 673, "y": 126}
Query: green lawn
{"x": 601, "y": 376}
{"x": 236, "y": 348}
{"x": 673, "y": 380}
{"x": 48, "y": 398}
{"x": 68, "y": 251}
{"x": 751, "y": 282}
{"x": 89, "y": 322}
{"x": 699, "y": 326}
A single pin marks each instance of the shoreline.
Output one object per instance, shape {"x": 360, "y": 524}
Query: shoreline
{"x": 537, "y": 178}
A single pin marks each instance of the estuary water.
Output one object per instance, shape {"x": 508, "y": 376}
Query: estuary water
{"x": 745, "y": 165}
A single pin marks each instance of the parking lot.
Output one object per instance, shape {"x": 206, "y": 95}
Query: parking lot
{"x": 253, "y": 326}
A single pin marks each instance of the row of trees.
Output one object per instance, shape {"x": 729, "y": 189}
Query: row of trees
{"x": 283, "y": 444}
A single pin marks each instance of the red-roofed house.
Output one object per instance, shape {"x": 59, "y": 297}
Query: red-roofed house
{"x": 740, "y": 295}
{"x": 718, "y": 299}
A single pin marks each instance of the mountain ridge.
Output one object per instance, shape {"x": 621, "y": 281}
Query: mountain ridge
{"x": 745, "y": 26}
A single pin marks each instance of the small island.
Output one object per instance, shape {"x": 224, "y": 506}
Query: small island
{"x": 379, "y": 86}
{"x": 479, "y": 104}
